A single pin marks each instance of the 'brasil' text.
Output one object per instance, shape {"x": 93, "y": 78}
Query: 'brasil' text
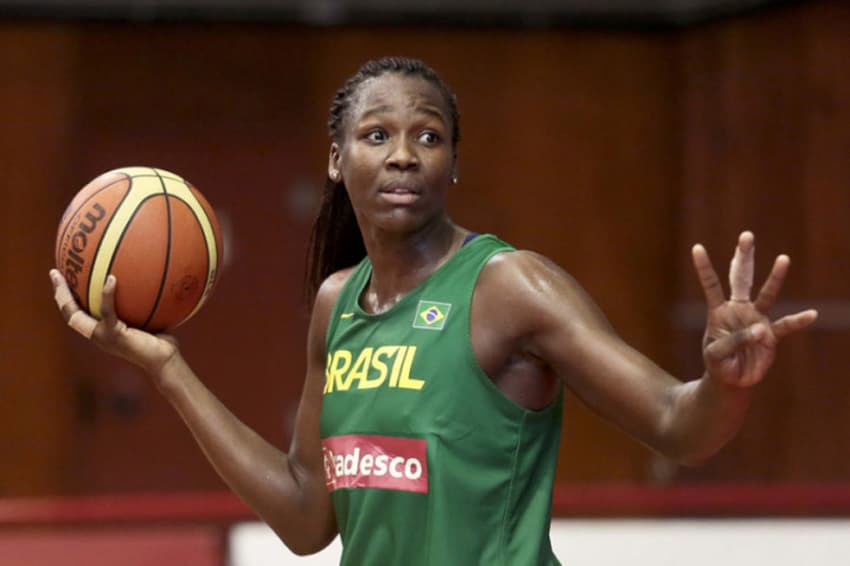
{"x": 373, "y": 367}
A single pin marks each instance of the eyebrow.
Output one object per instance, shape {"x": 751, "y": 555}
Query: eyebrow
{"x": 423, "y": 109}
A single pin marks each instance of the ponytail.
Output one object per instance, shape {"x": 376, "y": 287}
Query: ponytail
{"x": 335, "y": 240}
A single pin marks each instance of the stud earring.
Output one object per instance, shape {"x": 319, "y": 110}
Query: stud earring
{"x": 454, "y": 179}
{"x": 335, "y": 176}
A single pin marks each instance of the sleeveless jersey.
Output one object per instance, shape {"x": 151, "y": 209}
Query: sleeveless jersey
{"x": 428, "y": 463}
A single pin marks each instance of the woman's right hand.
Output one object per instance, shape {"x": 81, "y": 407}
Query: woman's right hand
{"x": 149, "y": 352}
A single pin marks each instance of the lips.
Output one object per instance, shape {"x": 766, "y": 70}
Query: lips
{"x": 399, "y": 193}
{"x": 399, "y": 189}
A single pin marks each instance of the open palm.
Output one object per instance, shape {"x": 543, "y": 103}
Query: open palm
{"x": 740, "y": 339}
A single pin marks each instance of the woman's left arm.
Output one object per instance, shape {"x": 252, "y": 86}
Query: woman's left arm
{"x": 686, "y": 421}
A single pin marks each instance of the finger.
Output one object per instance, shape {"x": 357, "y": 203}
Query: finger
{"x": 82, "y": 323}
{"x": 741, "y": 270}
{"x": 62, "y": 294}
{"x": 76, "y": 318}
{"x": 793, "y": 322}
{"x": 728, "y": 345}
{"x": 770, "y": 290}
{"x": 708, "y": 279}
{"x": 107, "y": 305}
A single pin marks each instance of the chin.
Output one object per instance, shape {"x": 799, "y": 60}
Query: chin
{"x": 402, "y": 220}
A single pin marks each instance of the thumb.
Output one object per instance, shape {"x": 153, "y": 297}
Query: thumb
{"x": 724, "y": 347}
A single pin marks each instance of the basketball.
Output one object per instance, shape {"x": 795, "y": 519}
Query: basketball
{"x": 155, "y": 232}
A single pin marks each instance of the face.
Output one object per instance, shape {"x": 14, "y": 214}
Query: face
{"x": 396, "y": 157}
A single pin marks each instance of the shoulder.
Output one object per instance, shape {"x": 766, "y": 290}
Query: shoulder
{"x": 532, "y": 290}
{"x": 331, "y": 287}
{"x": 523, "y": 271}
{"x": 326, "y": 297}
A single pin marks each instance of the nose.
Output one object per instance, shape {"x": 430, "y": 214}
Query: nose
{"x": 402, "y": 156}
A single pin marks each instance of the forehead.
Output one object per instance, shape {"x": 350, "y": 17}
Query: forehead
{"x": 397, "y": 92}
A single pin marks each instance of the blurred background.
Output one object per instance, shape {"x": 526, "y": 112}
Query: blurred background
{"x": 609, "y": 135}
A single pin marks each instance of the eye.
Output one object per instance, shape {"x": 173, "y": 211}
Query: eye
{"x": 429, "y": 137}
{"x": 376, "y": 136}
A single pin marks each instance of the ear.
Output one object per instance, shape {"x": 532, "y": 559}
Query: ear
{"x": 334, "y": 173}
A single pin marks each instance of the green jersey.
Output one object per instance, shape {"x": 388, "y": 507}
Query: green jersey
{"x": 428, "y": 463}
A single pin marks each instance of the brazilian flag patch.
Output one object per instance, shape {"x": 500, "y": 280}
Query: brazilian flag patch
{"x": 431, "y": 315}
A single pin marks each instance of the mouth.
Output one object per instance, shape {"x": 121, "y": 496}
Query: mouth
{"x": 399, "y": 194}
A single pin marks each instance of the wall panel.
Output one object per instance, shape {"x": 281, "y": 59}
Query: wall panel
{"x": 611, "y": 152}
{"x": 36, "y": 94}
{"x": 767, "y": 114}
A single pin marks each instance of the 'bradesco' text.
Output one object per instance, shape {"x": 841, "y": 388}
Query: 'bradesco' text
{"x": 371, "y": 461}
{"x": 387, "y": 366}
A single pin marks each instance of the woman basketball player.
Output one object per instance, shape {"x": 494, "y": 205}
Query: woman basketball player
{"x": 428, "y": 428}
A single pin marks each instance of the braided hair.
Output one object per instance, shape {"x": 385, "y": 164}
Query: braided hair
{"x": 335, "y": 240}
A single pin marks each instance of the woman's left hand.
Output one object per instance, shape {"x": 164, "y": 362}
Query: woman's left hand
{"x": 740, "y": 339}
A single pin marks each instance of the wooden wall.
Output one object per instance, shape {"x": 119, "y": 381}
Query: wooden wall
{"x": 767, "y": 109}
{"x": 36, "y": 398}
{"x": 611, "y": 152}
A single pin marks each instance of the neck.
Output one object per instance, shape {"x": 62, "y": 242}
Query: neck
{"x": 400, "y": 262}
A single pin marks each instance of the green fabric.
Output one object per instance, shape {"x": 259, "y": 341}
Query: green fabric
{"x": 490, "y": 463}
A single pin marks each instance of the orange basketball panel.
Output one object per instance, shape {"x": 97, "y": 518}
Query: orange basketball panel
{"x": 140, "y": 260}
{"x": 219, "y": 242}
{"x": 187, "y": 268}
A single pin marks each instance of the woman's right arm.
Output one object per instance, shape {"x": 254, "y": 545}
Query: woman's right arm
{"x": 286, "y": 490}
